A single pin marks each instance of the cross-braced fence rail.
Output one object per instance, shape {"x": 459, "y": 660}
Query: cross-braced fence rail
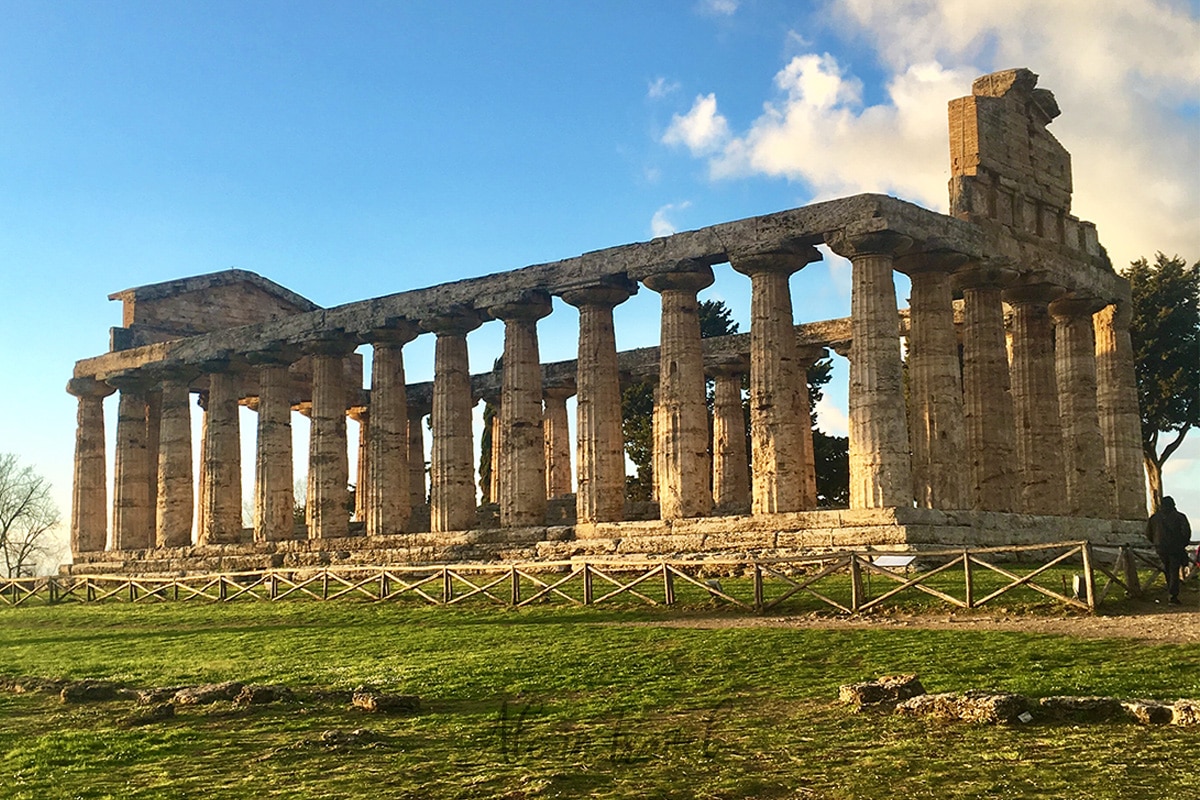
{"x": 849, "y": 582}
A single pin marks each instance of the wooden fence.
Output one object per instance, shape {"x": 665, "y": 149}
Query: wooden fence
{"x": 843, "y": 581}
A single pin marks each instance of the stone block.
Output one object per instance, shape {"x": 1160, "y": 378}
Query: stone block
{"x": 886, "y": 691}
{"x": 207, "y": 693}
{"x": 1080, "y": 709}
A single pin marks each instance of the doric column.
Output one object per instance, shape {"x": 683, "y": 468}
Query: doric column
{"x": 557, "y": 439}
{"x": 490, "y": 489}
{"x": 682, "y": 434}
{"x": 987, "y": 398}
{"x": 222, "y": 464}
{"x": 133, "y": 514}
{"x": 731, "y": 476}
{"x": 417, "y": 490}
{"x": 451, "y": 474}
{"x": 1120, "y": 419}
{"x": 600, "y": 446}
{"x": 362, "y": 416}
{"x": 523, "y": 452}
{"x": 154, "y": 404}
{"x": 202, "y": 478}
{"x": 780, "y": 436}
{"x": 1035, "y": 399}
{"x": 274, "y": 495}
{"x": 328, "y": 461}
{"x": 175, "y": 503}
{"x": 89, "y": 495}
{"x": 880, "y": 474}
{"x": 389, "y": 503}
{"x": 935, "y": 419}
{"x": 1089, "y": 487}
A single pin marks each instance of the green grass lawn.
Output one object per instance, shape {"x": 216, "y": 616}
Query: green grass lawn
{"x": 562, "y": 702}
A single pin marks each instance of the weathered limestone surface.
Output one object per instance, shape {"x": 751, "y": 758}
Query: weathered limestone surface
{"x": 1035, "y": 400}
{"x": 452, "y": 483}
{"x": 557, "y": 440}
{"x": 153, "y": 436}
{"x": 731, "y": 470}
{"x": 222, "y": 462}
{"x": 416, "y": 453}
{"x": 273, "y": 490}
{"x": 681, "y": 436}
{"x": 1120, "y": 419}
{"x": 175, "y": 504}
{"x": 89, "y": 500}
{"x": 132, "y": 516}
{"x": 390, "y": 497}
{"x": 1089, "y": 488}
{"x": 780, "y": 433}
{"x": 362, "y": 495}
{"x": 328, "y": 460}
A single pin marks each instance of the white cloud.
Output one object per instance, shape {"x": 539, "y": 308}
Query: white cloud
{"x": 831, "y": 418}
{"x": 717, "y": 8}
{"x": 660, "y": 225}
{"x": 661, "y": 87}
{"x": 702, "y": 129}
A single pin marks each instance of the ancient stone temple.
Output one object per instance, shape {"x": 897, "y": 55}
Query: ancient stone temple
{"x": 999, "y": 408}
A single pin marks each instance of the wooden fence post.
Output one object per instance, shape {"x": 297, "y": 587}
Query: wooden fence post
{"x": 587, "y": 584}
{"x": 516, "y": 585}
{"x": 447, "y": 586}
{"x": 385, "y": 587}
{"x": 1089, "y": 577}
{"x": 668, "y": 585}
{"x": 758, "y": 588}
{"x": 968, "y": 578}
{"x": 325, "y": 584}
{"x": 1133, "y": 583}
{"x": 856, "y": 587}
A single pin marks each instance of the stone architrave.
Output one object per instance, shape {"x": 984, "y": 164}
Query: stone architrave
{"x": 1035, "y": 399}
{"x": 522, "y": 481}
{"x": 557, "y": 440}
{"x": 389, "y": 503}
{"x": 222, "y": 464}
{"x": 89, "y": 494}
{"x": 880, "y": 473}
{"x": 1089, "y": 486}
{"x": 416, "y": 454}
{"x": 175, "y": 504}
{"x": 362, "y": 416}
{"x": 328, "y": 460}
{"x": 935, "y": 421}
{"x": 274, "y": 494}
{"x": 451, "y": 475}
{"x": 731, "y": 468}
{"x": 987, "y": 396}
{"x": 600, "y": 445}
{"x": 780, "y": 434}
{"x": 682, "y": 433}
{"x": 133, "y": 515}
{"x": 1117, "y": 401}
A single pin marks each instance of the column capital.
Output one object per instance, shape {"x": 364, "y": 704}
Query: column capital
{"x": 930, "y": 261}
{"x": 729, "y": 366}
{"x": 560, "y": 391}
{"x": 1121, "y": 315}
{"x": 1075, "y": 305}
{"x": 89, "y": 387}
{"x": 607, "y": 294}
{"x": 336, "y": 343}
{"x": 530, "y": 306}
{"x": 453, "y": 322}
{"x": 225, "y": 362}
{"x": 785, "y": 261}
{"x": 1032, "y": 293}
{"x": 869, "y": 243}
{"x": 686, "y": 275}
{"x": 396, "y": 333}
{"x": 134, "y": 380}
{"x": 276, "y": 354}
{"x": 983, "y": 275}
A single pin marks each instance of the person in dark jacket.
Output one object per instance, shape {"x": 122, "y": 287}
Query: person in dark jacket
{"x": 1171, "y": 533}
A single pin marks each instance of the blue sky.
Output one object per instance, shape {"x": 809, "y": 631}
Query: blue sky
{"x": 356, "y": 149}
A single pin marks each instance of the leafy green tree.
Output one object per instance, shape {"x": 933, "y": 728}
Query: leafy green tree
{"x": 28, "y": 518}
{"x": 1165, "y": 328}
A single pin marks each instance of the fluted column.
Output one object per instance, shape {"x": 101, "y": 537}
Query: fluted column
{"x": 89, "y": 494}
{"x": 133, "y": 515}
{"x": 557, "y": 440}
{"x": 682, "y": 434}
{"x": 780, "y": 434}
{"x": 1120, "y": 419}
{"x": 1089, "y": 486}
{"x": 222, "y": 464}
{"x": 274, "y": 494}
{"x": 451, "y": 474}
{"x": 362, "y": 416}
{"x": 328, "y": 460}
{"x": 417, "y": 489}
{"x": 935, "y": 421}
{"x": 389, "y": 499}
{"x": 880, "y": 474}
{"x": 175, "y": 503}
{"x": 154, "y": 404}
{"x": 731, "y": 476}
{"x": 600, "y": 446}
{"x": 202, "y": 478}
{"x": 987, "y": 398}
{"x": 490, "y": 489}
{"x": 1035, "y": 399}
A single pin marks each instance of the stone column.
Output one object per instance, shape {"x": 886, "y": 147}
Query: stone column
{"x": 1035, "y": 399}
{"x": 731, "y": 476}
{"x": 328, "y": 461}
{"x": 523, "y": 452}
{"x": 175, "y": 503}
{"x": 600, "y": 445}
{"x": 935, "y": 422}
{"x": 222, "y": 464}
{"x": 202, "y": 479}
{"x": 154, "y": 404}
{"x": 451, "y": 474}
{"x": 89, "y": 495}
{"x": 682, "y": 435}
{"x": 987, "y": 398}
{"x": 389, "y": 503}
{"x": 1120, "y": 419}
{"x": 557, "y": 440}
{"x": 490, "y": 489}
{"x": 416, "y": 453}
{"x": 1089, "y": 487}
{"x": 361, "y": 415}
{"x": 880, "y": 474}
{"x": 274, "y": 497}
{"x": 133, "y": 515}
{"x": 780, "y": 434}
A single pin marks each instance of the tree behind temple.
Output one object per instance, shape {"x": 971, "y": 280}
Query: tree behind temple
{"x": 1165, "y": 329}
{"x": 28, "y": 518}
